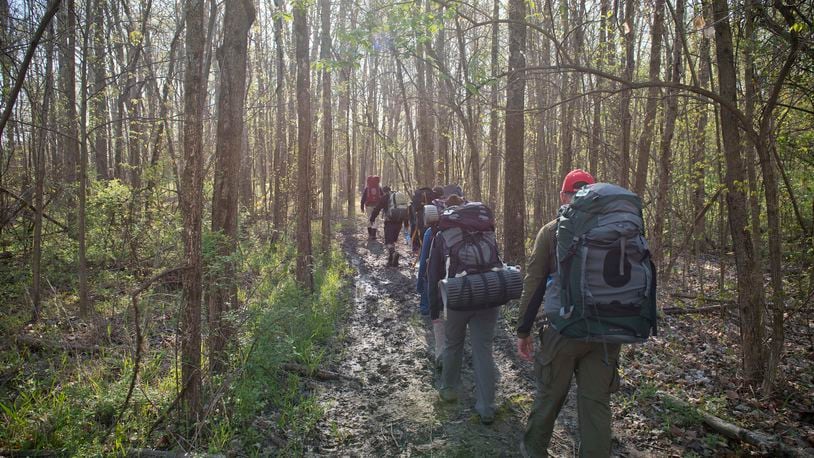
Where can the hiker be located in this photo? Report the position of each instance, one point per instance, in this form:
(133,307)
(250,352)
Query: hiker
(422,286)
(570,341)
(394,204)
(371,196)
(426,240)
(421,197)
(463,233)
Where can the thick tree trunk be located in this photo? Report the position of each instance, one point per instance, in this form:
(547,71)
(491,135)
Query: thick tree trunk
(232,57)
(653,96)
(304,261)
(191,194)
(750,298)
(514,197)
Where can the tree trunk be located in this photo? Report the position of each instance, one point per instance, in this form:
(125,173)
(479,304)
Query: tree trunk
(39,180)
(191,199)
(85,309)
(773,216)
(304,274)
(327,127)
(750,298)
(699,146)
(653,96)
(494,152)
(99,99)
(514,198)
(624,105)
(665,153)
(232,57)
(70,122)
(280,144)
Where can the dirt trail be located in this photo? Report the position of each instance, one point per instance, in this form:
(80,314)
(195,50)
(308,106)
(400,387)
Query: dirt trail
(388,404)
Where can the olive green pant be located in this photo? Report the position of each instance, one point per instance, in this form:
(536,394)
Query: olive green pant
(595,365)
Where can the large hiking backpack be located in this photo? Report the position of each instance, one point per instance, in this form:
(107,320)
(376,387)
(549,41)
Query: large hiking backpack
(397,209)
(421,197)
(607,278)
(374,191)
(468,236)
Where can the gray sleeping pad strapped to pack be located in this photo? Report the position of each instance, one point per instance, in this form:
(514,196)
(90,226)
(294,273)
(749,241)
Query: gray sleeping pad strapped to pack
(607,280)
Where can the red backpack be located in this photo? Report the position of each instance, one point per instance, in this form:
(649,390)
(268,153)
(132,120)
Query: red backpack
(374,191)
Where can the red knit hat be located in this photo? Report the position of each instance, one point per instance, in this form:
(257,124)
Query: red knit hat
(576,177)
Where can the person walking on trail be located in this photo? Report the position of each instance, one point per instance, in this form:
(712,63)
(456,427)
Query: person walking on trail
(421,197)
(426,240)
(394,205)
(560,357)
(422,283)
(482,324)
(371,196)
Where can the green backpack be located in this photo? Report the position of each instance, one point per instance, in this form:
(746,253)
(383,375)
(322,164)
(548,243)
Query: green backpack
(607,277)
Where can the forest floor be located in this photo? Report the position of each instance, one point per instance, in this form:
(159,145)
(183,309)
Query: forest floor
(385,402)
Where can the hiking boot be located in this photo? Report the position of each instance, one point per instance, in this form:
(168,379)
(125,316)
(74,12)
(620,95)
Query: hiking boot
(487,419)
(448,395)
(396,257)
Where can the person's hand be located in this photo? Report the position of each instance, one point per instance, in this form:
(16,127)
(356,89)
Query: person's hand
(525,347)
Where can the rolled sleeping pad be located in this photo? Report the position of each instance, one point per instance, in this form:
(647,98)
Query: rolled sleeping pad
(431,215)
(481,291)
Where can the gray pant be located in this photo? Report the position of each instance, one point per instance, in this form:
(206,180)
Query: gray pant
(482,325)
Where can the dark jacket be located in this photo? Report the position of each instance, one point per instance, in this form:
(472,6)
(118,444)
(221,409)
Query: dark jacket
(436,271)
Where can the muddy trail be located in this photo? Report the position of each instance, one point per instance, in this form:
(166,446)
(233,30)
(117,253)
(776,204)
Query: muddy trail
(386,402)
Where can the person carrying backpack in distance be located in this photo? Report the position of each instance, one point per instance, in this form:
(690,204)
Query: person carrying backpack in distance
(371,196)
(591,269)
(422,281)
(394,204)
(463,248)
(426,240)
(421,197)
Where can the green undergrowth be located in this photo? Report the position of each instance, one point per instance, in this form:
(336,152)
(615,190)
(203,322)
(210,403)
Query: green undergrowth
(66,403)
(268,408)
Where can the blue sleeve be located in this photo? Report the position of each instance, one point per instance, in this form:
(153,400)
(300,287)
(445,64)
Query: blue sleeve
(363,199)
(421,283)
(435,272)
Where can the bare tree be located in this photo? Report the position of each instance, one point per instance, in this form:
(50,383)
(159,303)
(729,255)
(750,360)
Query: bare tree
(327,125)
(191,197)
(750,299)
(514,198)
(304,261)
(232,57)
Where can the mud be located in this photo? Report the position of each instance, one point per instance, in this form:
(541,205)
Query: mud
(388,404)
